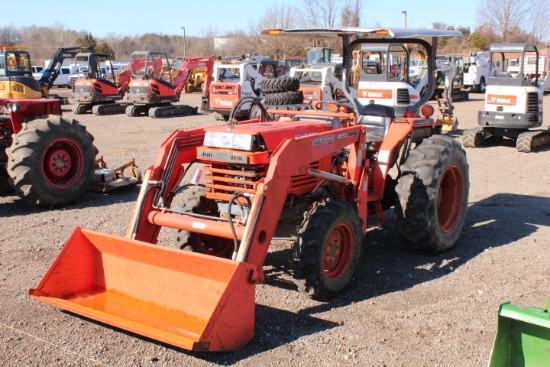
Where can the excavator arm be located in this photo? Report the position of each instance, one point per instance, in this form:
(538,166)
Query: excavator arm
(188,66)
(52,71)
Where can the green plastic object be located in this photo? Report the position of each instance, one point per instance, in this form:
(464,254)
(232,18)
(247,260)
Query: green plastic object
(523,337)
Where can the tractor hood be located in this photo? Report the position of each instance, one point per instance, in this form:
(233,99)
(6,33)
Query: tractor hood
(272,133)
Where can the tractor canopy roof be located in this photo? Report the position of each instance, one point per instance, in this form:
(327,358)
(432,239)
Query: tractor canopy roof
(513,47)
(384,32)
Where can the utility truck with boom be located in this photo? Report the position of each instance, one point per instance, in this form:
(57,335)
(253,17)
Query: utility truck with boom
(513,102)
(226,191)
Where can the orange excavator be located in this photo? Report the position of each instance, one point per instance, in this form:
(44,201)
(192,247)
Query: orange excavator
(93,91)
(93,88)
(149,91)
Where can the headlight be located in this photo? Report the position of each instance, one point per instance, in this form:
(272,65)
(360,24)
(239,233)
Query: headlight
(228,140)
(12,107)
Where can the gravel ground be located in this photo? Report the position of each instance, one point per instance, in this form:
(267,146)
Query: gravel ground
(402,309)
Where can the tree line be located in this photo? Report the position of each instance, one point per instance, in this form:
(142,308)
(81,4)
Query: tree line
(496,21)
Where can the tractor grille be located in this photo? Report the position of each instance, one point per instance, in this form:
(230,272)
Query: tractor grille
(533,102)
(226,180)
(403,96)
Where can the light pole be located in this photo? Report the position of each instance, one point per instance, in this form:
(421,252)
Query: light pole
(404,12)
(184,42)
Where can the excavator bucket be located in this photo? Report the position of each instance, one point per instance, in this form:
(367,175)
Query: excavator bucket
(523,337)
(189,300)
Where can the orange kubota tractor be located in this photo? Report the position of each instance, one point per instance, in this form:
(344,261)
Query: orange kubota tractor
(151,94)
(315,176)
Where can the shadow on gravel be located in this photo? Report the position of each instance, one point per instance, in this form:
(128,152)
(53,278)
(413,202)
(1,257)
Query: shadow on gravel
(387,267)
(12,205)
(278,328)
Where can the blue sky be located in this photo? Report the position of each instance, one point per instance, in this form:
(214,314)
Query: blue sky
(101,17)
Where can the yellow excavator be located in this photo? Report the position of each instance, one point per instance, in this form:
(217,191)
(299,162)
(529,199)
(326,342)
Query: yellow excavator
(16,80)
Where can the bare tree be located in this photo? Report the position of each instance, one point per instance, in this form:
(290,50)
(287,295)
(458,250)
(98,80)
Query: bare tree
(540,21)
(502,16)
(322,13)
(278,16)
(351,14)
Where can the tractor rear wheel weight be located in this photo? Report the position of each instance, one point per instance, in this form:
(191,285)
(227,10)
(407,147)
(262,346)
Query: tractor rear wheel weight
(327,249)
(192,199)
(432,195)
(51,162)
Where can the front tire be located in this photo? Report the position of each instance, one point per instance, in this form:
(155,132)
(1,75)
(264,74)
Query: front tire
(473,138)
(327,249)
(197,202)
(51,162)
(432,195)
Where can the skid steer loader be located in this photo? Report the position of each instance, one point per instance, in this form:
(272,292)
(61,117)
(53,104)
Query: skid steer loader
(226,191)
(513,102)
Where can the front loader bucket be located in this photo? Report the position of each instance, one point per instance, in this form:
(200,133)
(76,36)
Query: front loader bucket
(189,300)
(523,337)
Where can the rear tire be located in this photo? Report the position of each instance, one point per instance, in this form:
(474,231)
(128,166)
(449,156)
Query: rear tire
(327,249)
(51,162)
(432,195)
(524,142)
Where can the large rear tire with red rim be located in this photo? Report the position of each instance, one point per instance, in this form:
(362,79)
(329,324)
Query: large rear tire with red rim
(432,195)
(51,161)
(327,249)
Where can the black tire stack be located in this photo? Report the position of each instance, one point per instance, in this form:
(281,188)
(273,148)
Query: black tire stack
(280,94)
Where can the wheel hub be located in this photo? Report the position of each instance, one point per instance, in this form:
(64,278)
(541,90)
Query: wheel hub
(337,253)
(451,194)
(59,163)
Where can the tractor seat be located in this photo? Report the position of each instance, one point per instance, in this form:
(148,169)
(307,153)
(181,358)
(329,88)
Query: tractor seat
(376,118)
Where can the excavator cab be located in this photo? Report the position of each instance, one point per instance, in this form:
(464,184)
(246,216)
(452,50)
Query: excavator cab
(16,75)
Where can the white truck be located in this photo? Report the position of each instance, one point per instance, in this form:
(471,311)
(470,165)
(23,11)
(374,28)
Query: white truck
(530,65)
(477,70)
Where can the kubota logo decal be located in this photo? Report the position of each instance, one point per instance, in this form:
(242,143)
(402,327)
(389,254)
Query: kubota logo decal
(376,93)
(501,100)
